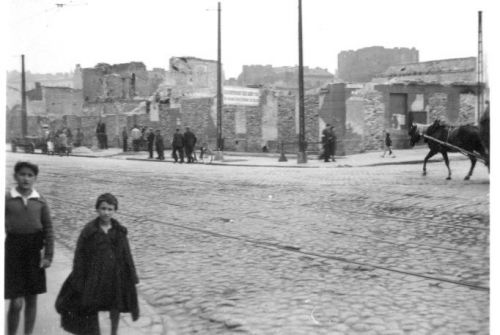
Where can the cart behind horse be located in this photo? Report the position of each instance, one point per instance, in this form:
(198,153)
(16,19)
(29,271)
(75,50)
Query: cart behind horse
(444,138)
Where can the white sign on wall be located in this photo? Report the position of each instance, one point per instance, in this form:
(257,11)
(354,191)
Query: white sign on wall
(241,96)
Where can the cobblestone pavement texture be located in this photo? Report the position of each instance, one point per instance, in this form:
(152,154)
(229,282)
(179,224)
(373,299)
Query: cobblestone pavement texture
(222,250)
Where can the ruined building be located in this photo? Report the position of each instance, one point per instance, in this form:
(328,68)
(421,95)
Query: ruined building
(362,65)
(190,76)
(126,81)
(284,77)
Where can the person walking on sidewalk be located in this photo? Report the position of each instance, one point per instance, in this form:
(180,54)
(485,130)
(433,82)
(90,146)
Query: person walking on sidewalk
(29,229)
(103,276)
(160,148)
(150,137)
(125,139)
(190,142)
(326,144)
(388,145)
(332,143)
(178,146)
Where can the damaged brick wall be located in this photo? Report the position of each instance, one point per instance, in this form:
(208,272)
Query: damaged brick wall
(437,107)
(199,114)
(374,118)
(468,104)
(287,131)
(311,118)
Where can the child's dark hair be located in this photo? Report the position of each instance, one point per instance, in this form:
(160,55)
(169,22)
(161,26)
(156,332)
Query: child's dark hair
(107,198)
(28,165)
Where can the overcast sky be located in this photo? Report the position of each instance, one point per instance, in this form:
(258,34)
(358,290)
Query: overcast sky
(253,31)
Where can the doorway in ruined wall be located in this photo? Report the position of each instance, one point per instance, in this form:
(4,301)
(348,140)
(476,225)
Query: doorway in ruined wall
(398,110)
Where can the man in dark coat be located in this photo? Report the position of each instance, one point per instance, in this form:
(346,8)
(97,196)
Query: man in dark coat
(98,132)
(104,136)
(159,145)
(178,146)
(150,137)
(125,139)
(189,143)
(332,142)
(325,142)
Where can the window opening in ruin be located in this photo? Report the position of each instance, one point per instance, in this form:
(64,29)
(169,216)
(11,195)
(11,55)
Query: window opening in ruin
(419,117)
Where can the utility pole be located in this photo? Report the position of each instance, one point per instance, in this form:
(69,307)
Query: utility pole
(24,112)
(301,156)
(480,70)
(219,155)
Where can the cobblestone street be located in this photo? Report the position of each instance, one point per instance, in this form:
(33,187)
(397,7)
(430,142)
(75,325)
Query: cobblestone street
(261,250)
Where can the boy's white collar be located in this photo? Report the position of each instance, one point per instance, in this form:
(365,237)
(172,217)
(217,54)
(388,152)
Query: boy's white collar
(15,194)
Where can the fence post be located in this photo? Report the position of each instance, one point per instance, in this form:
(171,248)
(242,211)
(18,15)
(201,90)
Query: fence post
(282,156)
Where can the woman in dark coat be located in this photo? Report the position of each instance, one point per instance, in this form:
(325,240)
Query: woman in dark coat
(103,276)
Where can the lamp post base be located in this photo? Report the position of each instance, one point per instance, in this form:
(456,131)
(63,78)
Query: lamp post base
(301,157)
(219,156)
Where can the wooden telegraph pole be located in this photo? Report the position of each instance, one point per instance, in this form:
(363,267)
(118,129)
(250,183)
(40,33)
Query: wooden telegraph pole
(301,156)
(219,155)
(24,112)
(480,70)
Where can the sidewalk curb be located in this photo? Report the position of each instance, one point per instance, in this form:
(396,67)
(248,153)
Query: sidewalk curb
(222,164)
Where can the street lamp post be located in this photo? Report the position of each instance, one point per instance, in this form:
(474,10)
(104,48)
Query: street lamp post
(301,156)
(219,155)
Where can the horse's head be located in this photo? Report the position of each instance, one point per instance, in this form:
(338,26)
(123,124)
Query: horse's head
(414,134)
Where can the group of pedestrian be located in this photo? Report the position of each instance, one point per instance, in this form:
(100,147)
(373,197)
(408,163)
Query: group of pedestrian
(102,137)
(103,277)
(184,143)
(59,142)
(153,138)
(329,140)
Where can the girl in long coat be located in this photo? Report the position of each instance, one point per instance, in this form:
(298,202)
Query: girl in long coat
(103,276)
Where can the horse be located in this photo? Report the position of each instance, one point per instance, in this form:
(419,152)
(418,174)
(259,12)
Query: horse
(465,137)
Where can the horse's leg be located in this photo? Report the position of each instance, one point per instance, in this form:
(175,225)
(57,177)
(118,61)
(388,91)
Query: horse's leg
(447,162)
(473,161)
(429,155)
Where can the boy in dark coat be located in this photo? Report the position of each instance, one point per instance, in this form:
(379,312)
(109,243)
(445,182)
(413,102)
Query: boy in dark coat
(29,229)
(103,276)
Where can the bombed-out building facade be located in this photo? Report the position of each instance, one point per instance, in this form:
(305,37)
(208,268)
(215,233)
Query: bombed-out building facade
(260,108)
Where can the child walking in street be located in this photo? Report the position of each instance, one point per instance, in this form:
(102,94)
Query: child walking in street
(103,277)
(388,145)
(29,229)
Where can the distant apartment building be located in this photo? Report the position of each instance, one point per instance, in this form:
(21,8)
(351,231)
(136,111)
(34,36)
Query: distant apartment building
(45,79)
(362,65)
(284,77)
(53,102)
